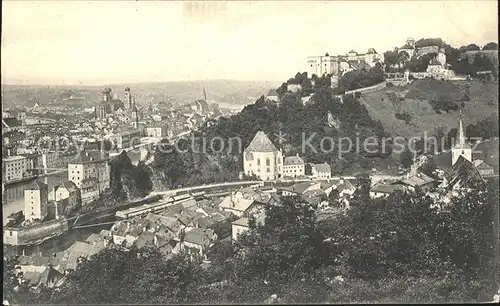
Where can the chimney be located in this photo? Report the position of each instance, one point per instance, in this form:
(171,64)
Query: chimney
(297,154)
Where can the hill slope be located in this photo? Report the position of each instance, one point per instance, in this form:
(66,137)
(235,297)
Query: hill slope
(483,102)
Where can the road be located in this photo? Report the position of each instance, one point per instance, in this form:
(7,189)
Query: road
(375,178)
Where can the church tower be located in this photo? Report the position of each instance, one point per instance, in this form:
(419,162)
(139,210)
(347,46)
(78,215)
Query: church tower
(461,148)
(128,98)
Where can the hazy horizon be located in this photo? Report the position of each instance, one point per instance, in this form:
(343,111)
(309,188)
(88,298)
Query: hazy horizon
(127,42)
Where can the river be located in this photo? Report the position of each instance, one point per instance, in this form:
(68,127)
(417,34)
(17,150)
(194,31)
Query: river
(13,198)
(13,201)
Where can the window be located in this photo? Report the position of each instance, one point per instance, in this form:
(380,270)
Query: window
(258,162)
(268,170)
(463,152)
(268,162)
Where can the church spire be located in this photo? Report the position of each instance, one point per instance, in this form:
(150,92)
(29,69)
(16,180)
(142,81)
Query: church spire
(204,94)
(461,133)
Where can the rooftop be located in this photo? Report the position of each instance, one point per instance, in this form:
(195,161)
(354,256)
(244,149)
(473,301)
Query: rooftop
(293,160)
(199,236)
(386,188)
(261,143)
(13,158)
(323,168)
(36,185)
(236,203)
(272,92)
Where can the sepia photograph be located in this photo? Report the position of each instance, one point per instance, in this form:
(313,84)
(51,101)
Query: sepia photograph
(250,152)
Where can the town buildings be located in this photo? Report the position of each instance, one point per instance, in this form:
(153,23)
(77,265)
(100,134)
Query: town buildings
(90,167)
(156,131)
(13,168)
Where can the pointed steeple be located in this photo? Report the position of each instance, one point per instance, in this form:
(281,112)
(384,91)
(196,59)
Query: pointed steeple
(461,133)
(204,94)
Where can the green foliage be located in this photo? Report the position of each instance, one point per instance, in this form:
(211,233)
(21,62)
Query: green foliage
(486,128)
(491,46)
(427,42)
(406,158)
(129,180)
(360,78)
(421,63)
(391,57)
(403,116)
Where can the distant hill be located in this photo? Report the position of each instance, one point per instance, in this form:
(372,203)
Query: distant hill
(181,92)
(417,104)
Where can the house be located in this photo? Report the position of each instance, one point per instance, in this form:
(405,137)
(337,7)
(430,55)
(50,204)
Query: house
(33,263)
(241,225)
(89,189)
(483,168)
(66,192)
(300,188)
(196,241)
(293,87)
(293,166)
(238,205)
(384,190)
(419,180)
(262,159)
(13,168)
(272,95)
(321,170)
(314,196)
(125,233)
(68,260)
(102,239)
(156,131)
(90,164)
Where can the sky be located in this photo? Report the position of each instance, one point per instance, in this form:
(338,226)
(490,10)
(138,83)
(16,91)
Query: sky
(107,42)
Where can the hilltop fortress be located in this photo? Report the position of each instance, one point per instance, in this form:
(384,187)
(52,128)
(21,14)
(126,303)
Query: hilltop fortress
(337,65)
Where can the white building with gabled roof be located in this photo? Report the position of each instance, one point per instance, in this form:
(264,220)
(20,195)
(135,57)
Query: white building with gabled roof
(262,159)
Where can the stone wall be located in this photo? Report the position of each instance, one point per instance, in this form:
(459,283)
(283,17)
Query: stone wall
(368,89)
(43,230)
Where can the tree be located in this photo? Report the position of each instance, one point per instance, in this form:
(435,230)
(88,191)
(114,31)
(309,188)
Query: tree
(406,158)
(472,47)
(491,46)
(439,134)
(391,57)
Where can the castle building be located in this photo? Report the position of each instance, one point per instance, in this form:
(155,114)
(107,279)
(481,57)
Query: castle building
(339,64)
(461,148)
(261,158)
